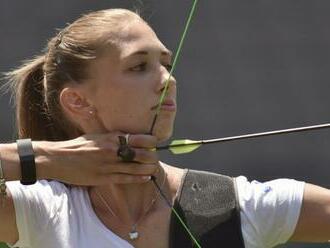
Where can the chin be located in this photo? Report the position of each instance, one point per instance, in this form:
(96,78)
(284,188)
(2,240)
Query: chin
(163,128)
(163,133)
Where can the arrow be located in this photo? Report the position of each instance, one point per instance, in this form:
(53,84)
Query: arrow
(182,146)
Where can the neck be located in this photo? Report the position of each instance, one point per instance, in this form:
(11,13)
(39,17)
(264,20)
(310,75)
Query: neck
(129,202)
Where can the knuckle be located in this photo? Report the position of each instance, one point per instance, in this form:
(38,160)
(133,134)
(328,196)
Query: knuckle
(143,140)
(111,149)
(135,140)
(142,156)
(100,154)
(153,141)
(113,137)
(106,152)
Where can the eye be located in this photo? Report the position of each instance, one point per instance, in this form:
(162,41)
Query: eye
(139,67)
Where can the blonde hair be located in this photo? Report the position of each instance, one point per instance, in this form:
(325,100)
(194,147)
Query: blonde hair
(36,85)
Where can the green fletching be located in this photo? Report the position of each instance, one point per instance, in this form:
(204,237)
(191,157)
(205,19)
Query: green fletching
(184,146)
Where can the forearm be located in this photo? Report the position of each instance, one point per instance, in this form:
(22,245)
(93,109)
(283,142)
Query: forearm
(11,163)
(86,160)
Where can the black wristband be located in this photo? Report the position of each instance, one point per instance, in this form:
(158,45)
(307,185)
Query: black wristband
(28,166)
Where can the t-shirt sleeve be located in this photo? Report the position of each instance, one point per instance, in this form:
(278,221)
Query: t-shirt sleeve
(269,210)
(36,206)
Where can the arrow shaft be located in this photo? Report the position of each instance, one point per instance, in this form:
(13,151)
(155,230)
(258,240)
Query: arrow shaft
(251,136)
(270,133)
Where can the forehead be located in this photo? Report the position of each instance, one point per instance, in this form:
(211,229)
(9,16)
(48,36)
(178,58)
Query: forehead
(135,38)
(137,35)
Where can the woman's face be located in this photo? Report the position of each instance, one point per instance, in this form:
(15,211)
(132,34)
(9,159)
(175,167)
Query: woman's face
(128,82)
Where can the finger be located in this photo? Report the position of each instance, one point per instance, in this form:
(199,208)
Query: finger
(128,168)
(142,141)
(145,156)
(124,179)
(105,139)
(109,155)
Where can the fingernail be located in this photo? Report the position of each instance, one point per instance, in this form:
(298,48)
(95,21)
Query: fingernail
(147,178)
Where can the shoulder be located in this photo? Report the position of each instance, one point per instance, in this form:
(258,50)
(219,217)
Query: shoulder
(266,192)
(278,201)
(42,197)
(175,176)
(42,188)
(42,208)
(44,201)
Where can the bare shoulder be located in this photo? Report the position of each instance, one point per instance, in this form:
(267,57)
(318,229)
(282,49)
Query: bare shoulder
(174,176)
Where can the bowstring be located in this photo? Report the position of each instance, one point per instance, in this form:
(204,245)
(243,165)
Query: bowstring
(162,97)
(177,215)
(176,57)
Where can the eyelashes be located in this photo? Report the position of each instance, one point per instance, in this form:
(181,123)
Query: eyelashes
(143,67)
(139,67)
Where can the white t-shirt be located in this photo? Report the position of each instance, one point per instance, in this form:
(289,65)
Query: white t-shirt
(49,214)
(269,211)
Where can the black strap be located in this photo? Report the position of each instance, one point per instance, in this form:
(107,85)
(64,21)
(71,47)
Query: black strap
(28,166)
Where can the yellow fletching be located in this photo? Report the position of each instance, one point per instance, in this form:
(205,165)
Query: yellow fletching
(183,146)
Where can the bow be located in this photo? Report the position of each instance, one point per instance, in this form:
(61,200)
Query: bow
(161,100)
(186,145)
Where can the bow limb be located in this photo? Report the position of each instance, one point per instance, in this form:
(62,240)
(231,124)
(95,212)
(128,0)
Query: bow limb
(176,57)
(161,100)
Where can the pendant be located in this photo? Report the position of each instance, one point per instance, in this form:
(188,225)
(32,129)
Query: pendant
(133,234)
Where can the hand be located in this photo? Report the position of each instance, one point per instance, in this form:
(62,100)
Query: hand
(92,160)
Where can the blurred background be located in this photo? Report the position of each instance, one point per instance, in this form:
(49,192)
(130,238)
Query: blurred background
(247,66)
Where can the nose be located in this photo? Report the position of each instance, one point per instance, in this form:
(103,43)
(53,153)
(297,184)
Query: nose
(166,79)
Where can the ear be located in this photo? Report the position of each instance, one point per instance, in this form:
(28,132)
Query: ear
(75,104)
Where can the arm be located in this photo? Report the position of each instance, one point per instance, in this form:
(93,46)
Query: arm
(10,164)
(8,227)
(87,160)
(314,221)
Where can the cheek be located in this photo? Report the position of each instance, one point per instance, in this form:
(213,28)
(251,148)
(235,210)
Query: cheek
(124,112)
(125,103)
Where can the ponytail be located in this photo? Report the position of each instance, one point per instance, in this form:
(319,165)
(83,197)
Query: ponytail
(38,112)
(27,85)
(37,84)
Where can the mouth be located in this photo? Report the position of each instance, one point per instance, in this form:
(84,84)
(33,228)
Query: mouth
(167,105)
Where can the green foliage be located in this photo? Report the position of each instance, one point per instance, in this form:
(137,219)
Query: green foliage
(2,245)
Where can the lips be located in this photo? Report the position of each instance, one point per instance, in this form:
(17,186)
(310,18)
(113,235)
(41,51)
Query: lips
(168,104)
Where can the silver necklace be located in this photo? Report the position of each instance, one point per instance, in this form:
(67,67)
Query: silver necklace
(133,234)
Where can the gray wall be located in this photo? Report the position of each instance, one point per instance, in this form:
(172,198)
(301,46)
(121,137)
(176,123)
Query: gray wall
(247,66)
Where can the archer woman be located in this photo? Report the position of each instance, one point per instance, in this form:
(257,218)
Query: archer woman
(88,103)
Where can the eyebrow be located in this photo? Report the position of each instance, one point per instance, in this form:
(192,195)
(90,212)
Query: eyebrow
(143,52)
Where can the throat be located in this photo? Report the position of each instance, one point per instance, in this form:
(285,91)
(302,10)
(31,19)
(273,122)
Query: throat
(129,203)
